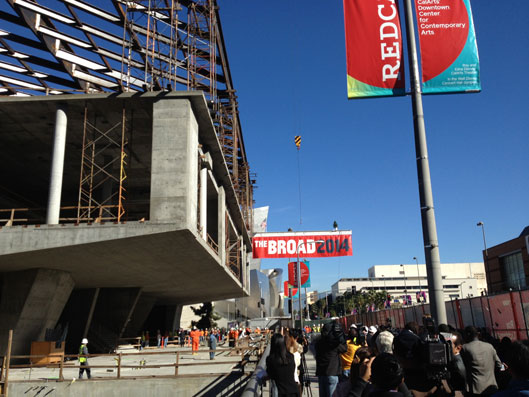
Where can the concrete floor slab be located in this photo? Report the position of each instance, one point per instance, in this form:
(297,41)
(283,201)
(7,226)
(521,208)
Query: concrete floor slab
(171,264)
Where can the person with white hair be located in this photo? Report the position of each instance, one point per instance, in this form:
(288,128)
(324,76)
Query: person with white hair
(384,342)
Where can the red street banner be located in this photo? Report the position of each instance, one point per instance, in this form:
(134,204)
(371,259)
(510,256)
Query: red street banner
(306,244)
(449,54)
(373,43)
(294,291)
(293,271)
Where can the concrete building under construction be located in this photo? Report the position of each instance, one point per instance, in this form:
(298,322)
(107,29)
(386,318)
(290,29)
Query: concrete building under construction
(125,189)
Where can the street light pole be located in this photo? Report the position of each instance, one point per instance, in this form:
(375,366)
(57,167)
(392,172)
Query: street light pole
(307,304)
(299,280)
(405,285)
(299,288)
(326,305)
(291,296)
(344,308)
(484,241)
(418,274)
(429,228)
(485,246)
(461,289)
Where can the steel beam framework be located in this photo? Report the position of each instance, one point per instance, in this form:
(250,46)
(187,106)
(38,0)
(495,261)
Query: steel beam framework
(50,47)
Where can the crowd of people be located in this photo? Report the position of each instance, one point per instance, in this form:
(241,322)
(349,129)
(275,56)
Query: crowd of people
(195,337)
(417,361)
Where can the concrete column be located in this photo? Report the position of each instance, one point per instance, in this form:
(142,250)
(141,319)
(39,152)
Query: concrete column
(139,316)
(174,173)
(91,312)
(241,261)
(178,317)
(131,311)
(31,302)
(244,268)
(76,314)
(113,308)
(222,224)
(204,202)
(172,317)
(57,166)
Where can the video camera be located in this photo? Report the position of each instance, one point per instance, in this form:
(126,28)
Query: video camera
(435,352)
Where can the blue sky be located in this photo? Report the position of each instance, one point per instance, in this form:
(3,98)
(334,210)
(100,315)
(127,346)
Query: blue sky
(357,160)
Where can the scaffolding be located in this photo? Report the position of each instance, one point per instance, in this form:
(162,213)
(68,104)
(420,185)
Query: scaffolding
(125,46)
(102,191)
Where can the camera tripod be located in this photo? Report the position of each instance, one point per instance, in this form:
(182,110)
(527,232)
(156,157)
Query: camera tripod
(305,378)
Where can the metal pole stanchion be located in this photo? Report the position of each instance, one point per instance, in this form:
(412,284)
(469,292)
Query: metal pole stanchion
(299,288)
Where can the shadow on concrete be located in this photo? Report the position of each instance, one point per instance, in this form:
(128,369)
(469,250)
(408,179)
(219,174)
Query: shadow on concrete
(231,385)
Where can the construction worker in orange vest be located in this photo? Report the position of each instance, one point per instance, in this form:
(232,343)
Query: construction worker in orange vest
(231,337)
(236,335)
(195,339)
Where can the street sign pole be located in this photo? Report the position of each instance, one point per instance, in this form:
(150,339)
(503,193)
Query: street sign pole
(299,289)
(291,305)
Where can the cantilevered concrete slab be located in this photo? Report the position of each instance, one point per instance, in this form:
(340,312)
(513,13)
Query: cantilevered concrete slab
(163,147)
(167,257)
(174,265)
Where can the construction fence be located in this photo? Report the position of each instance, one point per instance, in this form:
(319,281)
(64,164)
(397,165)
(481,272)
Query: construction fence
(505,314)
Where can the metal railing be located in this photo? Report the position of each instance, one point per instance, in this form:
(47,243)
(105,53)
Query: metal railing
(254,387)
(37,216)
(242,356)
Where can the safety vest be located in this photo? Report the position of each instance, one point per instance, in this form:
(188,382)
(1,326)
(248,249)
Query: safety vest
(82,359)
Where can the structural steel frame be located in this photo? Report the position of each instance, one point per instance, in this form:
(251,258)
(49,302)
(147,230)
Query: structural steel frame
(124,46)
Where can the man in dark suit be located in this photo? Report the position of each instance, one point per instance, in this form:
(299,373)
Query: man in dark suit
(480,360)
(328,348)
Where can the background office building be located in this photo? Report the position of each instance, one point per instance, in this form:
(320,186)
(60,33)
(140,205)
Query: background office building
(507,264)
(460,280)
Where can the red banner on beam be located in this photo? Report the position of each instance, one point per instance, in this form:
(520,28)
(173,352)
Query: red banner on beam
(294,291)
(293,273)
(373,41)
(306,244)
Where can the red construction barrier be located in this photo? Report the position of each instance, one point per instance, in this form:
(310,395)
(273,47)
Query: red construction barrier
(501,315)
